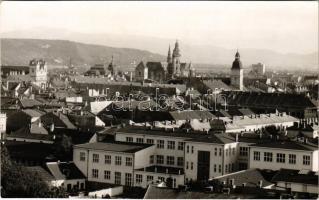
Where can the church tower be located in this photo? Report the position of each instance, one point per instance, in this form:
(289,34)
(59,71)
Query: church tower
(38,72)
(237,73)
(169,55)
(112,68)
(176,59)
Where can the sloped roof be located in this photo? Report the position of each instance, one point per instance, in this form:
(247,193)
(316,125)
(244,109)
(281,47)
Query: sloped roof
(33,112)
(293,176)
(41,172)
(64,170)
(29,103)
(250,177)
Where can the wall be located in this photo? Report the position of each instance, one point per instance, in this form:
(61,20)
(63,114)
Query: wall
(276,166)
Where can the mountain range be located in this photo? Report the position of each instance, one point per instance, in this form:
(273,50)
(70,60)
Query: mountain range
(58,46)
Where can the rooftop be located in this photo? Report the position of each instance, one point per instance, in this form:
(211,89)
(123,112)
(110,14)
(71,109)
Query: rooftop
(287,145)
(294,176)
(115,146)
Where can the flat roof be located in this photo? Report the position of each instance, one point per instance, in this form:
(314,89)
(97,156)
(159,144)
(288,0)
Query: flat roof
(114,146)
(287,145)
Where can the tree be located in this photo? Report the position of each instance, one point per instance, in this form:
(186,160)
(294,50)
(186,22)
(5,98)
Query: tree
(63,148)
(17,181)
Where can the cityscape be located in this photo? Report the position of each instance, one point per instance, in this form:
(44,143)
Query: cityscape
(159,100)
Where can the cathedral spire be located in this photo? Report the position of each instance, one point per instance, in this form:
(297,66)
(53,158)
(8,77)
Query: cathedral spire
(169,56)
(176,51)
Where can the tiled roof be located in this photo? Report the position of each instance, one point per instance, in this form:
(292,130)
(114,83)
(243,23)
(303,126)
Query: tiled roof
(41,172)
(38,133)
(115,146)
(33,112)
(191,114)
(212,84)
(64,171)
(29,103)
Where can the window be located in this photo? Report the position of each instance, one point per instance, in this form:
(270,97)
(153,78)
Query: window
(160,144)
(180,146)
(117,178)
(170,160)
(281,158)
(149,178)
(149,141)
(243,151)
(140,140)
(187,165)
(82,156)
(162,179)
(107,175)
(129,139)
(220,168)
(152,159)
(187,149)
(192,165)
(139,178)
(170,144)
(267,157)
(107,159)
(128,179)
(256,155)
(129,161)
(226,152)
(192,149)
(118,160)
(180,161)
(215,168)
(292,158)
(234,151)
(95,173)
(220,151)
(226,168)
(232,167)
(95,158)
(215,151)
(160,159)
(306,160)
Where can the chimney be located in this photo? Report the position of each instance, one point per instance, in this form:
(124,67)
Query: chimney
(260,183)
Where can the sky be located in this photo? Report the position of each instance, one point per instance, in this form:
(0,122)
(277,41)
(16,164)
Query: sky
(281,26)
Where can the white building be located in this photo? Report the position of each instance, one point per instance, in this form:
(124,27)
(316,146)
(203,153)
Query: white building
(275,155)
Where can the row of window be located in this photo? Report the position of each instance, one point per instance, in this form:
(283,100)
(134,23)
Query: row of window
(128,177)
(170,160)
(108,159)
(117,176)
(160,144)
(281,158)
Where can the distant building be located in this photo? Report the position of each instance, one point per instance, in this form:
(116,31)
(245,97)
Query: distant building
(237,73)
(39,72)
(36,73)
(258,69)
(162,71)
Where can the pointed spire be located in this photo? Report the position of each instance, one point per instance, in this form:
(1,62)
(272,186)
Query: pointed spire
(169,55)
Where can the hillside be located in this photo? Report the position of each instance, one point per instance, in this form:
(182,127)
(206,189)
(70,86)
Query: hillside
(58,53)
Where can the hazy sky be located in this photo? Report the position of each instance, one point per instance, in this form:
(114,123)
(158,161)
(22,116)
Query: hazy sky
(281,26)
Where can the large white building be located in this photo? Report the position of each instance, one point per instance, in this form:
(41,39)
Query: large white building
(143,155)
(275,155)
